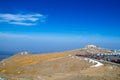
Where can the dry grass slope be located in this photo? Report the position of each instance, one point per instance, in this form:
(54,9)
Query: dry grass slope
(55,66)
(26,60)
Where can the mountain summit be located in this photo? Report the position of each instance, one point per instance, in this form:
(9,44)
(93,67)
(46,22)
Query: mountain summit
(95,49)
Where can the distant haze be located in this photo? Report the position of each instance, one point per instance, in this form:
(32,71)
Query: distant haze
(53,43)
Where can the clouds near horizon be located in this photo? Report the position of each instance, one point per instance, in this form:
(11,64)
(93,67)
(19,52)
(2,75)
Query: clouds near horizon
(22,19)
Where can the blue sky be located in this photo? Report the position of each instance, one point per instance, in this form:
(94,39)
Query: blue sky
(58,25)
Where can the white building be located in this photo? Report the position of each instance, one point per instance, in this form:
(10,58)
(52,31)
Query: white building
(91,46)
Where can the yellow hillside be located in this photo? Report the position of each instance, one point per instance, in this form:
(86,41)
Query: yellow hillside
(57,66)
(29,59)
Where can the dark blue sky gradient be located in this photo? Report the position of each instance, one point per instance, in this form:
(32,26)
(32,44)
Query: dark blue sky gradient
(98,19)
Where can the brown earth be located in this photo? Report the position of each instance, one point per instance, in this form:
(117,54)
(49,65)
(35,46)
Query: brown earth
(55,66)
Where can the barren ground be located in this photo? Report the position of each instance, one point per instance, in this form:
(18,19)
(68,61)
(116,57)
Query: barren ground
(56,66)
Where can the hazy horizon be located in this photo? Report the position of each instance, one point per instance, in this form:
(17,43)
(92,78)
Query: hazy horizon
(52,43)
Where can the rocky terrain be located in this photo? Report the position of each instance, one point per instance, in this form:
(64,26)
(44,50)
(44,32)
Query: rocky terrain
(58,66)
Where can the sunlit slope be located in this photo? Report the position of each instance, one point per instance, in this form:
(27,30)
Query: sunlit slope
(28,59)
(48,68)
(57,66)
(23,59)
